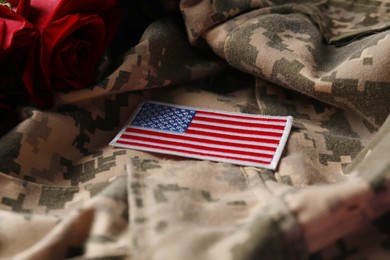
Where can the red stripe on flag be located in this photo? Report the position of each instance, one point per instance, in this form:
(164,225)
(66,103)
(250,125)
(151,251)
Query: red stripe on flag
(186,137)
(198,147)
(237,123)
(252,138)
(199,126)
(252,117)
(180,151)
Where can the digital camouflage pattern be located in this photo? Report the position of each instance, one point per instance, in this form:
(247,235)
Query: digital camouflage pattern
(66,194)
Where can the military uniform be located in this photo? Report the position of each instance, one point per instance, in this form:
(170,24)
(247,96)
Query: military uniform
(65,193)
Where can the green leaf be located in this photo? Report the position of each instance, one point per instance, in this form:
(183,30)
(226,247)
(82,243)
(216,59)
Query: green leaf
(4,2)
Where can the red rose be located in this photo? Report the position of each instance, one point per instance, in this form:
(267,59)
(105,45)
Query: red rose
(17,40)
(74,35)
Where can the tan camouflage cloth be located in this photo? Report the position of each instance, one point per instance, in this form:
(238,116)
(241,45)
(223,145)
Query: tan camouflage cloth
(67,194)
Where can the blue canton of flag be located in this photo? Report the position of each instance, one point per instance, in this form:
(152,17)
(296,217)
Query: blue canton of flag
(163,118)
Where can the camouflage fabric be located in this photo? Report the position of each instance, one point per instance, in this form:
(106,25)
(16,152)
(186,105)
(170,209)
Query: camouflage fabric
(66,194)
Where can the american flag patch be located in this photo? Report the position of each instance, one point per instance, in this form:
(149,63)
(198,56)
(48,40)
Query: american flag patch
(244,139)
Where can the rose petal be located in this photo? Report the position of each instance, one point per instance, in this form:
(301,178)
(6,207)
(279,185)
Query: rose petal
(42,11)
(107,10)
(65,36)
(72,67)
(54,69)
(23,7)
(37,85)
(75,57)
(17,37)
(12,24)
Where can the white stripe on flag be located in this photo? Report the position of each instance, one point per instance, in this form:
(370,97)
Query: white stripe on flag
(235,126)
(233,146)
(243,120)
(185,148)
(200,138)
(202,131)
